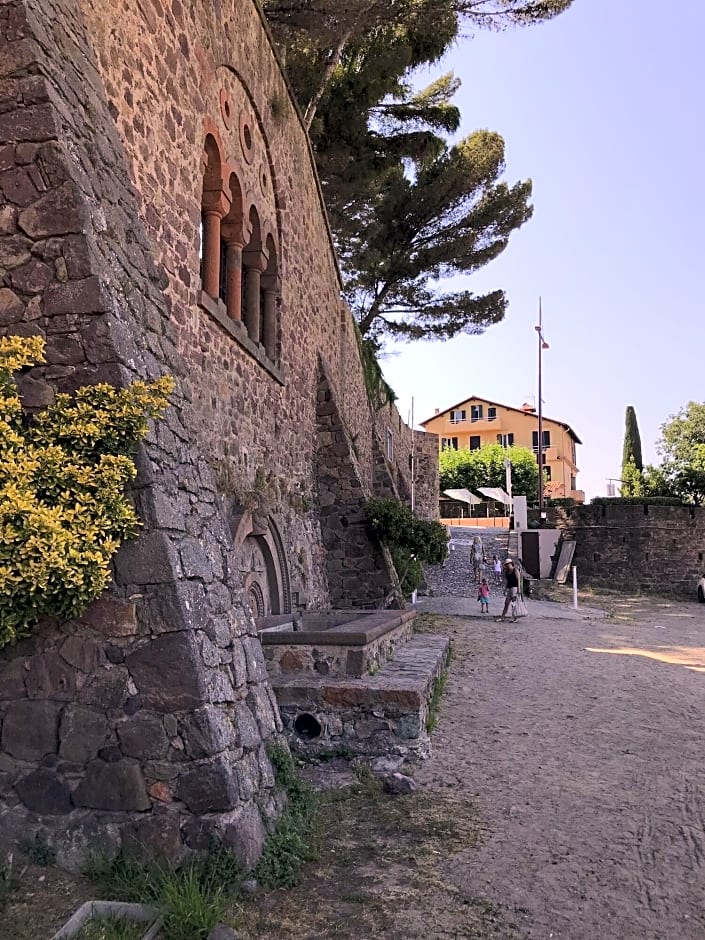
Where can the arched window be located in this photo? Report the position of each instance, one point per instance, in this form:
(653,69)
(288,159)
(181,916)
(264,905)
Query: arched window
(233,238)
(239,260)
(254,261)
(215,203)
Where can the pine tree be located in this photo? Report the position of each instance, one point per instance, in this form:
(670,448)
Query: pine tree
(632,442)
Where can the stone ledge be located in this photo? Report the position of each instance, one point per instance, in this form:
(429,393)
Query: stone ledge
(236,328)
(365,629)
(374,715)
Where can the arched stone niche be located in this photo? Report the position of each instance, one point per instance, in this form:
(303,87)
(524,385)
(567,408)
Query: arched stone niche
(259,557)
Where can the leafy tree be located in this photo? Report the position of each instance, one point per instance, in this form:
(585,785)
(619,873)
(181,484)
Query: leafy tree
(470,469)
(632,479)
(318,35)
(632,441)
(404,207)
(655,482)
(682,445)
(452,217)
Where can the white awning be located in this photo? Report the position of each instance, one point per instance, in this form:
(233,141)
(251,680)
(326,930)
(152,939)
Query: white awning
(463,496)
(496,493)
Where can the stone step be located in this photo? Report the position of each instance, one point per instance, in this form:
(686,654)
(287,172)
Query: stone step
(380,714)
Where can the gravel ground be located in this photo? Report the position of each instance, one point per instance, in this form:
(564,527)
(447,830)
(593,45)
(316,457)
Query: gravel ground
(581,742)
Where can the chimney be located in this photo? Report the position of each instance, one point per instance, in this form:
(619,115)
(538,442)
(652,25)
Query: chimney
(528,409)
(437,410)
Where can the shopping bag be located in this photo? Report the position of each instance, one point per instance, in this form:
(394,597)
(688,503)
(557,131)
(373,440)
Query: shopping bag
(520,608)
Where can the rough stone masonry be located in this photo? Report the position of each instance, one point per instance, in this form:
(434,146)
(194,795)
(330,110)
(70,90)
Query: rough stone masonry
(160,212)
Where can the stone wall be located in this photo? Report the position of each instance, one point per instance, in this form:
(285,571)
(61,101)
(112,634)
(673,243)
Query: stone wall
(149,716)
(658,549)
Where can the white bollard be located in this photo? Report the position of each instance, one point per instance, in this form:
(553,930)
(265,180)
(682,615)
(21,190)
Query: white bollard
(575,587)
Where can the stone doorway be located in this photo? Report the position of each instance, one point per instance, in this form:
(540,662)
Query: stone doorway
(259,556)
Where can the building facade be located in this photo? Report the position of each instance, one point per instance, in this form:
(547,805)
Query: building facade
(472,423)
(161,213)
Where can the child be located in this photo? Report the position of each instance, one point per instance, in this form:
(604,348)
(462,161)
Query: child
(483,596)
(497,568)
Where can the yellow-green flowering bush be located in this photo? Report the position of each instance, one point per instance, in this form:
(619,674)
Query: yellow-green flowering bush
(63,505)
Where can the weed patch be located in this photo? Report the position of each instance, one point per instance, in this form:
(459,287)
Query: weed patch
(291,845)
(438,689)
(38,851)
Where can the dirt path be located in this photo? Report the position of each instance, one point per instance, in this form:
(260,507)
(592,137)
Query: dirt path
(565,798)
(583,744)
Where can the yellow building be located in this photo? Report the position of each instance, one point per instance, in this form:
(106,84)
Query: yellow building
(477,421)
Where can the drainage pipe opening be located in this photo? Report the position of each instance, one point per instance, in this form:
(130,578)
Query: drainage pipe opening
(307,727)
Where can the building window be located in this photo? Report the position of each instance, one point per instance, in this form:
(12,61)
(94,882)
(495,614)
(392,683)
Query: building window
(547,474)
(475,443)
(476,412)
(573,483)
(535,440)
(239,262)
(457,416)
(390,445)
(491,414)
(449,443)
(506,440)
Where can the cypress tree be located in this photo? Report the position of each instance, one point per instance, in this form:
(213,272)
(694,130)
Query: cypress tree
(632,442)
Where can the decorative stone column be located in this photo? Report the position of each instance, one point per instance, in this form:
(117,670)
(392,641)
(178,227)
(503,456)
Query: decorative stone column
(211,252)
(255,261)
(270,292)
(234,280)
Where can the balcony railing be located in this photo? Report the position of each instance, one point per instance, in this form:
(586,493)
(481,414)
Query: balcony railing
(472,420)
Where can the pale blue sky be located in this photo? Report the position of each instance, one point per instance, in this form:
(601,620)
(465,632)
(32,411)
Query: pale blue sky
(603,108)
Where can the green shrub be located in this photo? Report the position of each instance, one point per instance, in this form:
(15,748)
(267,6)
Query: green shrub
(562,502)
(637,501)
(63,475)
(411,541)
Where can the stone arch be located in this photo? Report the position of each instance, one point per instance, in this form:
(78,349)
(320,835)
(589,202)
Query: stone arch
(259,556)
(270,285)
(215,204)
(270,164)
(235,233)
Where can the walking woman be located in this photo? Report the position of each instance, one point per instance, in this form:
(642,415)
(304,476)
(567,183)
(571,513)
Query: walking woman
(477,553)
(511,577)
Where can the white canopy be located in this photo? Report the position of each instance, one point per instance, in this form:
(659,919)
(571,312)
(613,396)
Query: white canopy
(463,496)
(496,493)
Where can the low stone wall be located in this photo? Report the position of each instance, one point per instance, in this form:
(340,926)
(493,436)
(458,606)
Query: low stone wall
(338,657)
(371,716)
(656,549)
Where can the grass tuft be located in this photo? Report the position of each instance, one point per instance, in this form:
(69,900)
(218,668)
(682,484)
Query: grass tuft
(111,928)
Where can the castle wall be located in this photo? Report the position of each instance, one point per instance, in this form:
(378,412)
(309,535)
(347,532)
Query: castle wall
(655,549)
(150,715)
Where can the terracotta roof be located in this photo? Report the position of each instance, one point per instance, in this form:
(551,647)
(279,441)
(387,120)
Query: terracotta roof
(486,401)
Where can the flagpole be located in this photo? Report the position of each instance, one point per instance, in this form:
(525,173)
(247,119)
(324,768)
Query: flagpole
(542,345)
